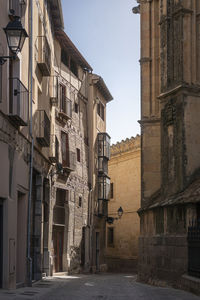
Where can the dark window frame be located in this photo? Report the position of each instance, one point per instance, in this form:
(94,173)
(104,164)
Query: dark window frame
(76,107)
(111,190)
(78,154)
(74,67)
(65,59)
(110,237)
(65,148)
(80,201)
(101,110)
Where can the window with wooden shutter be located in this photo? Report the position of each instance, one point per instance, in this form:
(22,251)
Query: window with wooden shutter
(62,91)
(78,154)
(100,110)
(65,149)
(111,190)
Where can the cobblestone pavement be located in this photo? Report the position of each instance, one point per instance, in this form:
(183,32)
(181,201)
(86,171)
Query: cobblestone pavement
(95,287)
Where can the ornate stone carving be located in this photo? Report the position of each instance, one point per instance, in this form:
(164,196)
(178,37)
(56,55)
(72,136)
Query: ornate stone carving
(169,113)
(171,27)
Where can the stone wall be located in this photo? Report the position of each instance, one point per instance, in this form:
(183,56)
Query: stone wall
(124,171)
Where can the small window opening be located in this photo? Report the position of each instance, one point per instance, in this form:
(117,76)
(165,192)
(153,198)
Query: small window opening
(78,154)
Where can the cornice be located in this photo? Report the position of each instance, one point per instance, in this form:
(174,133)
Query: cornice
(132,144)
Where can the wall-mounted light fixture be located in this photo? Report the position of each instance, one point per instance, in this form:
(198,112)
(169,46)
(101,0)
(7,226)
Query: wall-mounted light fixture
(15,35)
(120,212)
(59,170)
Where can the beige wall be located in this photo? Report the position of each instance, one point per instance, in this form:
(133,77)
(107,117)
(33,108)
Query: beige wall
(124,171)
(14,149)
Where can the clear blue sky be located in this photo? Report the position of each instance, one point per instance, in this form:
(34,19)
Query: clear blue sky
(107,34)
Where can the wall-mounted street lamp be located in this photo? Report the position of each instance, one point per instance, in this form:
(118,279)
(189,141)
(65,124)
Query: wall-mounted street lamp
(15,35)
(120,212)
(59,170)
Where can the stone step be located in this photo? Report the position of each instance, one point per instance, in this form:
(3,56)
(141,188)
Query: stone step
(60,274)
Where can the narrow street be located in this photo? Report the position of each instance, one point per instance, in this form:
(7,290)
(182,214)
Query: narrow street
(86,287)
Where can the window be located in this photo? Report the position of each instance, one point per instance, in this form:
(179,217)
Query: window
(110,237)
(103,145)
(80,201)
(111,190)
(62,95)
(65,149)
(103,187)
(78,154)
(73,68)
(76,107)
(65,58)
(159,220)
(59,208)
(100,110)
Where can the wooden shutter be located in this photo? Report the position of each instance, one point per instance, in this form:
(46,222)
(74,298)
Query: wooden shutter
(65,149)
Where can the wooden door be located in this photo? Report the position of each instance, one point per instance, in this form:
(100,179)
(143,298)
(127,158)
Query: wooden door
(97,250)
(58,236)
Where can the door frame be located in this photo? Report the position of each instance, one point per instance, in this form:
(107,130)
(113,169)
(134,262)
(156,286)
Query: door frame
(97,258)
(58,230)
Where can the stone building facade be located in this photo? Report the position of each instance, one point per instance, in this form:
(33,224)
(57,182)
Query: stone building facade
(122,235)
(69,210)
(169,141)
(99,182)
(48,130)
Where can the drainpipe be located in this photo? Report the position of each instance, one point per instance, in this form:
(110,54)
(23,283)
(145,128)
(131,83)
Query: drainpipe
(29,259)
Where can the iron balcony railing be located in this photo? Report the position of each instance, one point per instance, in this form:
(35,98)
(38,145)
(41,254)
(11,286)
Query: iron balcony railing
(54,151)
(103,187)
(43,132)
(102,208)
(44,56)
(65,108)
(104,145)
(103,165)
(18,106)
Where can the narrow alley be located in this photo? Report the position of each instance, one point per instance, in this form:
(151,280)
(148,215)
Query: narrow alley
(103,286)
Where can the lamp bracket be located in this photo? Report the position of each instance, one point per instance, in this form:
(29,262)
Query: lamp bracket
(3,59)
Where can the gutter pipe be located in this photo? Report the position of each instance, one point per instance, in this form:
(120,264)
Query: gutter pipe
(29,259)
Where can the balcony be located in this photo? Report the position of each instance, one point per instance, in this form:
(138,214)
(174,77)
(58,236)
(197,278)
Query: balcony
(102,208)
(103,187)
(103,145)
(69,164)
(44,56)
(19,100)
(43,128)
(54,151)
(102,165)
(65,108)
